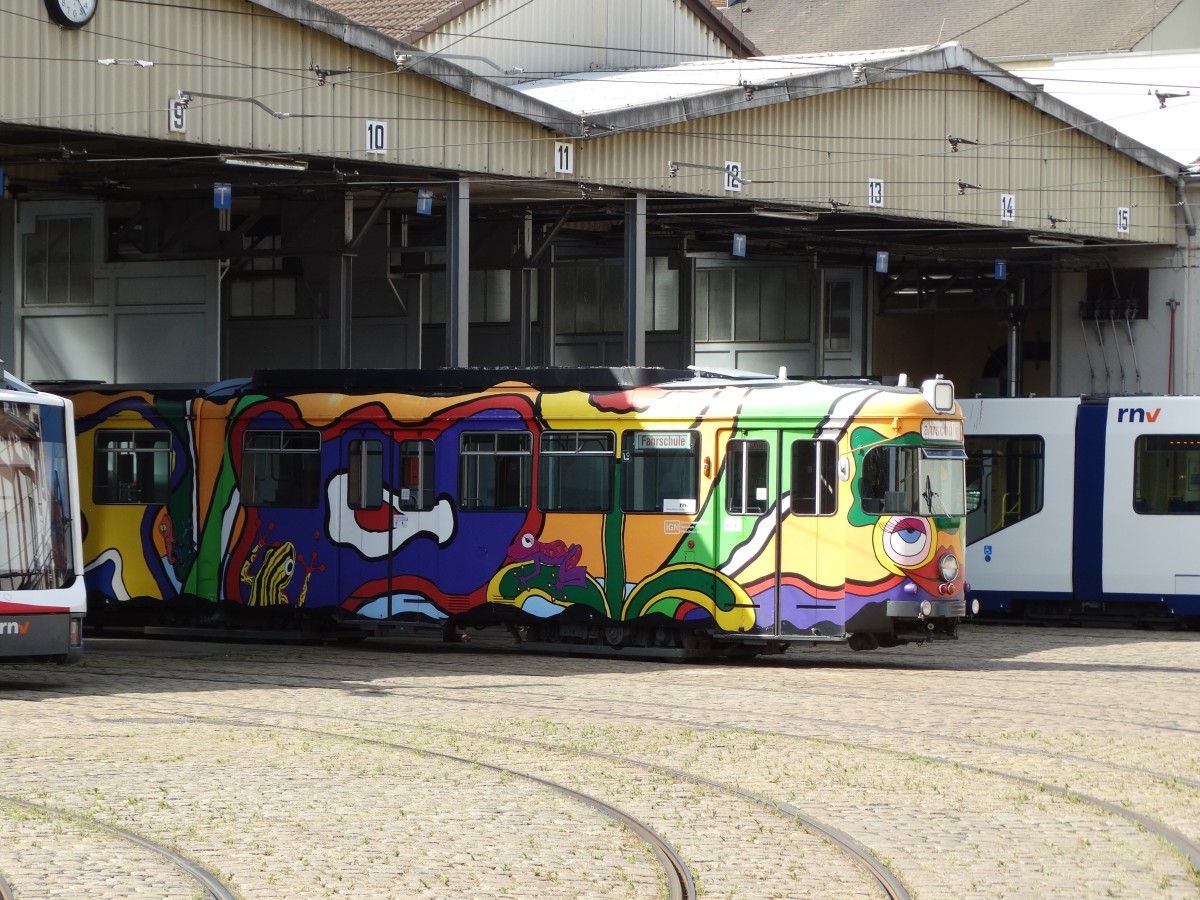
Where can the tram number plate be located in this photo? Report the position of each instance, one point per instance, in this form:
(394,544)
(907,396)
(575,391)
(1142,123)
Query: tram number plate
(672,526)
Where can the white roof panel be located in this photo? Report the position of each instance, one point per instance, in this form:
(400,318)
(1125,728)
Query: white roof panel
(1119,89)
(594,92)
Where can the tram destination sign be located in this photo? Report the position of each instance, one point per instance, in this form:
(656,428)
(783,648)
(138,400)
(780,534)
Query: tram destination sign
(660,441)
(941,430)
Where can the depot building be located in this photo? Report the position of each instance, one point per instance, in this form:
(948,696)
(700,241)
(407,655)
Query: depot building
(195,191)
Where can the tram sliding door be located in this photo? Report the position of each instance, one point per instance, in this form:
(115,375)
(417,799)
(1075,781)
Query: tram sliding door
(812,559)
(778,530)
(362,529)
(386,518)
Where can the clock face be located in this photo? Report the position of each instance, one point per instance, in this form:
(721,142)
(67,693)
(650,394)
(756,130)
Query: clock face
(71,13)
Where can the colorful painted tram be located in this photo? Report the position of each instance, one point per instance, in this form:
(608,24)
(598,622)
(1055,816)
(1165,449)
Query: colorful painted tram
(633,508)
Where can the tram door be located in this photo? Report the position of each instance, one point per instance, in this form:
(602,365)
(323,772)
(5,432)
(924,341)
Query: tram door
(811,556)
(751,510)
(386,501)
(779,499)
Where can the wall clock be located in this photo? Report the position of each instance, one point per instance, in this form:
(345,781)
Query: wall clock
(71,13)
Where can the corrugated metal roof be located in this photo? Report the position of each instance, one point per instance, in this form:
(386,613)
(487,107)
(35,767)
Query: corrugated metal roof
(613,102)
(592,92)
(412,20)
(991,28)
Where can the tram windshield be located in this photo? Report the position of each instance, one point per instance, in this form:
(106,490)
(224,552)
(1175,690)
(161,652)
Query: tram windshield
(918,481)
(36,549)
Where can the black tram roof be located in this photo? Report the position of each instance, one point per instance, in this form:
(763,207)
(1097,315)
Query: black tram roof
(447,380)
(547,378)
(456,380)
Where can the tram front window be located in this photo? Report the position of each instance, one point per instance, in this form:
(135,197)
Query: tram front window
(943,482)
(36,546)
(918,481)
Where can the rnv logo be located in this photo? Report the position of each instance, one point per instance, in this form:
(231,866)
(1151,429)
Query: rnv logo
(1137,414)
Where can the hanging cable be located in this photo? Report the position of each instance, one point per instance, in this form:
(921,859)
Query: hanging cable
(1137,372)
(1112,321)
(1087,352)
(1103,353)
(1172,305)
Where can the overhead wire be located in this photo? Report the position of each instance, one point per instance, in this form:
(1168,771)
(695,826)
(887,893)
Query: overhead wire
(742,137)
(298,72)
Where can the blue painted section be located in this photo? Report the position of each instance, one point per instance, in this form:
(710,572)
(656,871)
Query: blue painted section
(1088,544)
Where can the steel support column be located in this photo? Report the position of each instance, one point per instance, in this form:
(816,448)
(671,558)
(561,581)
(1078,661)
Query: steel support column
(635,280)
(458,271)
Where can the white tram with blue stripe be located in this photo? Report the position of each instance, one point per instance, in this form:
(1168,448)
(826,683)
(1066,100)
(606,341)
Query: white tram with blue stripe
(1084,508)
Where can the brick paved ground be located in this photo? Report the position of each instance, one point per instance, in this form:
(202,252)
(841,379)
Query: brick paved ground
(1006,764)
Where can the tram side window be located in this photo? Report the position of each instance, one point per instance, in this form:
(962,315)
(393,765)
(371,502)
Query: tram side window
(281,468)
(889,481)
(814,478)
(660,471)
(575,471)
(495,470)
(416,475)
(364,488)
(132,466)
(1005,481)
(746,477)
(1166,474)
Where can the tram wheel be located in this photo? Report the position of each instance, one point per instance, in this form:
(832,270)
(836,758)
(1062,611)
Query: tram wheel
(616,636)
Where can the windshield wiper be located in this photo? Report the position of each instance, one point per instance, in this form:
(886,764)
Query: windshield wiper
(928,496)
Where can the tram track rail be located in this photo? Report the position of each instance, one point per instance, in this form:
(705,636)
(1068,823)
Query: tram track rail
(209,883)
(1109,783)
(470,654)
(1187,848)
(681,885)
(679,882)
(1167,778)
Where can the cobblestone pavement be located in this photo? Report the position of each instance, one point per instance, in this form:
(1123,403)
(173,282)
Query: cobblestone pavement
(1012,763)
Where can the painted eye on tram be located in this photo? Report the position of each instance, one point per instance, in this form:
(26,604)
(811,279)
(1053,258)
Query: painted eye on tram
(527,540)
(906,540)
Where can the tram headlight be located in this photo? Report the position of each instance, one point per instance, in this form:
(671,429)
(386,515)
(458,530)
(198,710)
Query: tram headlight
(927,607)
(948,566)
